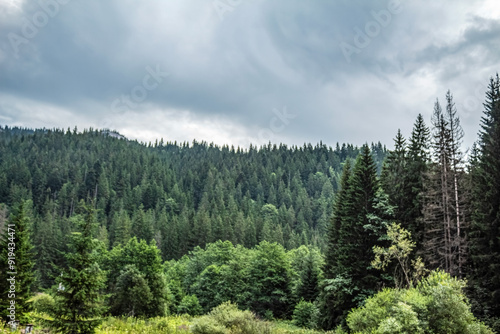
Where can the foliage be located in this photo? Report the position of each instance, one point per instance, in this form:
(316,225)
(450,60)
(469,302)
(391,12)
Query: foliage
(132,294)
(269,276)
(180,194)
(16,246)
(42,303)
(306,314)
(484,235)
(79,300)
(131,325)
(358,224)
(190,305)
(143,272)
(306,269)
(436,305)
(400,249)
(227,319)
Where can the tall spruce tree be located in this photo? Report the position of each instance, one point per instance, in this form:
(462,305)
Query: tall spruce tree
(17,261)
(416,169)
(79,299)
(394,179)
(355,229)
(484,235)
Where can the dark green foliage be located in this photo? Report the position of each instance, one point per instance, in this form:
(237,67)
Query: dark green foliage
(357,226)
(80,300)
(394,179)
(484,235)
(16,246)
(131,295)
(403,177)
(306,314)
(182,195)
(144,272)
(269,278)
(416,168)
(306,267)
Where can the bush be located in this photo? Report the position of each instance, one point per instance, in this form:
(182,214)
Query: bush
(43,303)
(306,315)
(436,305)
(190,305)
(228,319)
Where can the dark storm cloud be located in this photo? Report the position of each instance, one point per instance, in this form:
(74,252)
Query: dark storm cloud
(346,70)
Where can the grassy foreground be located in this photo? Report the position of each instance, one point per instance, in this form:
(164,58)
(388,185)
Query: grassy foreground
(183,325)
(224,319)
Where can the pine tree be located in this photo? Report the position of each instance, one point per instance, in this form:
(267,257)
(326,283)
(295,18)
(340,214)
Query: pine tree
(416,169)
(79,300)
(354,231)
(308,288)
(393,179)
(17,261)
(484,236)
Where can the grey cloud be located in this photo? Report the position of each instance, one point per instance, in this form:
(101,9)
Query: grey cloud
(261,55)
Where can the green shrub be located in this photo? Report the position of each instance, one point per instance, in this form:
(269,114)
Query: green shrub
(190,305)
(436,305)
(306,315)
(42,303)
(228,319)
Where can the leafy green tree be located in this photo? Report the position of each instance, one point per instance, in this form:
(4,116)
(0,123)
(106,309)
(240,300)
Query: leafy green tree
(17,260)
(406,274)
(79,300)
(190,305)
(147,261)
(218,284)
(269,277)
(130,285)
(47,237)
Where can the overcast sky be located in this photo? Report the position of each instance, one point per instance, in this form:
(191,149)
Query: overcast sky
(241,71)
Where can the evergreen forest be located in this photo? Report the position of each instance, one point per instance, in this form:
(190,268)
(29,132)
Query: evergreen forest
(101,234)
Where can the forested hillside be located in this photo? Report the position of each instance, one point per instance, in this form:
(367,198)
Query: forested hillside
(181,195)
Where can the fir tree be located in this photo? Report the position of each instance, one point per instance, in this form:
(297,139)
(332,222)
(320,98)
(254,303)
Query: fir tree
(355,230)
(79,300)
(484,236)
(416,168)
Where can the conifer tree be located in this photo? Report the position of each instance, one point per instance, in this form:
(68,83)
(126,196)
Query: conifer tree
(308,288)
(484,236)
(416,168)
(354,231)
(393,179)
(17,261)
(79,300)
(444,209)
